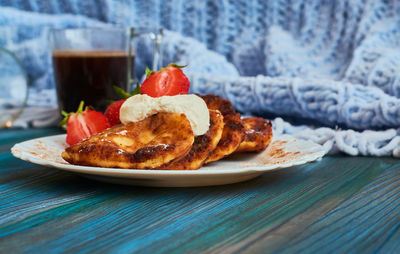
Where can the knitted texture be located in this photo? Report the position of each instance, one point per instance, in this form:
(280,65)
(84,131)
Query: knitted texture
(324,63)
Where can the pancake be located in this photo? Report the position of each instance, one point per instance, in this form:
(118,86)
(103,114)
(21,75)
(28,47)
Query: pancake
(258,135)
(202,147)
(146,144)
(233,132)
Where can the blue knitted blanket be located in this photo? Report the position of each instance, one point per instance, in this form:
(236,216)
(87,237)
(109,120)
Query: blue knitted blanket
(328,71)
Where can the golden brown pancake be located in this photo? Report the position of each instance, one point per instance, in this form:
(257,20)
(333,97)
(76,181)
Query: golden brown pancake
(215,102)
(232,136)
(146,144)
(202,147)
(233,133)
(258,135)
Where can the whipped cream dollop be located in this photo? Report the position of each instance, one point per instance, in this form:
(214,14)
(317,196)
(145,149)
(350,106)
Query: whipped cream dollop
(138,107)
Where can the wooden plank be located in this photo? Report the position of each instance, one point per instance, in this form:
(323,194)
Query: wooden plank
(340,204)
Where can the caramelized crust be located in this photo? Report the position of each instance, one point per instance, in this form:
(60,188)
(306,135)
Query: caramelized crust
(232,136)
(233,133)
(258,135)
(146,144)
(203,145)
(215,102)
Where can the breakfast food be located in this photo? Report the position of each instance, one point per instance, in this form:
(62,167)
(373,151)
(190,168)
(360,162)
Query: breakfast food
(166,140)
(146,144)
(165,128)
(139,107)
(233,133)
(168,81)
(202,146)
(112,111)
(257,135)
(83,123)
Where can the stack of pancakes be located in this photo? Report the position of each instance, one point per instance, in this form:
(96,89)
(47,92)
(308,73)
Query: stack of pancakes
(166,140)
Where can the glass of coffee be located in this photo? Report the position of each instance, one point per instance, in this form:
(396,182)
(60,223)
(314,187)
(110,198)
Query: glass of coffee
(88,62)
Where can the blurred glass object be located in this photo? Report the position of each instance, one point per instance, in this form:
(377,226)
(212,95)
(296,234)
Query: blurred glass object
(13,88)
(89,62)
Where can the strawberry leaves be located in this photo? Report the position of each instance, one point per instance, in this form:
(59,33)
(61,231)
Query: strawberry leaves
(124,94)
(150,72)
(66,115)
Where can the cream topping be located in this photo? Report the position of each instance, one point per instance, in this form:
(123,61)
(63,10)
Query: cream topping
(141,106)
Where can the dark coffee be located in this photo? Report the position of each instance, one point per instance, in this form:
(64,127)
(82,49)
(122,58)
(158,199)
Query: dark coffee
(89,76)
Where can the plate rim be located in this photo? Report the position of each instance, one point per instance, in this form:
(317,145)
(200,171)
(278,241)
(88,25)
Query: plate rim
(151,172)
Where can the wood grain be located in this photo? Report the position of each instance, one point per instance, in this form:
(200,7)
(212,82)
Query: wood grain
(339,204)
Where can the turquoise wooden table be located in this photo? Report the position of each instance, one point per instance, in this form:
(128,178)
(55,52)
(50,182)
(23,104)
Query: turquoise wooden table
(337,205)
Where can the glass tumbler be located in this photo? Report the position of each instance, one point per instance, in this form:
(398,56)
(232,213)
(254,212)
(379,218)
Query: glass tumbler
(13,88)
(88,62)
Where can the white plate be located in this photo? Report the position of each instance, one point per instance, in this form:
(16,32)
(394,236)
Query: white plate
(284,151)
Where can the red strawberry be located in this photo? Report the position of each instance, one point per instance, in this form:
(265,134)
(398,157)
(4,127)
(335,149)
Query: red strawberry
(83,124)
(168,81)
(112,112)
